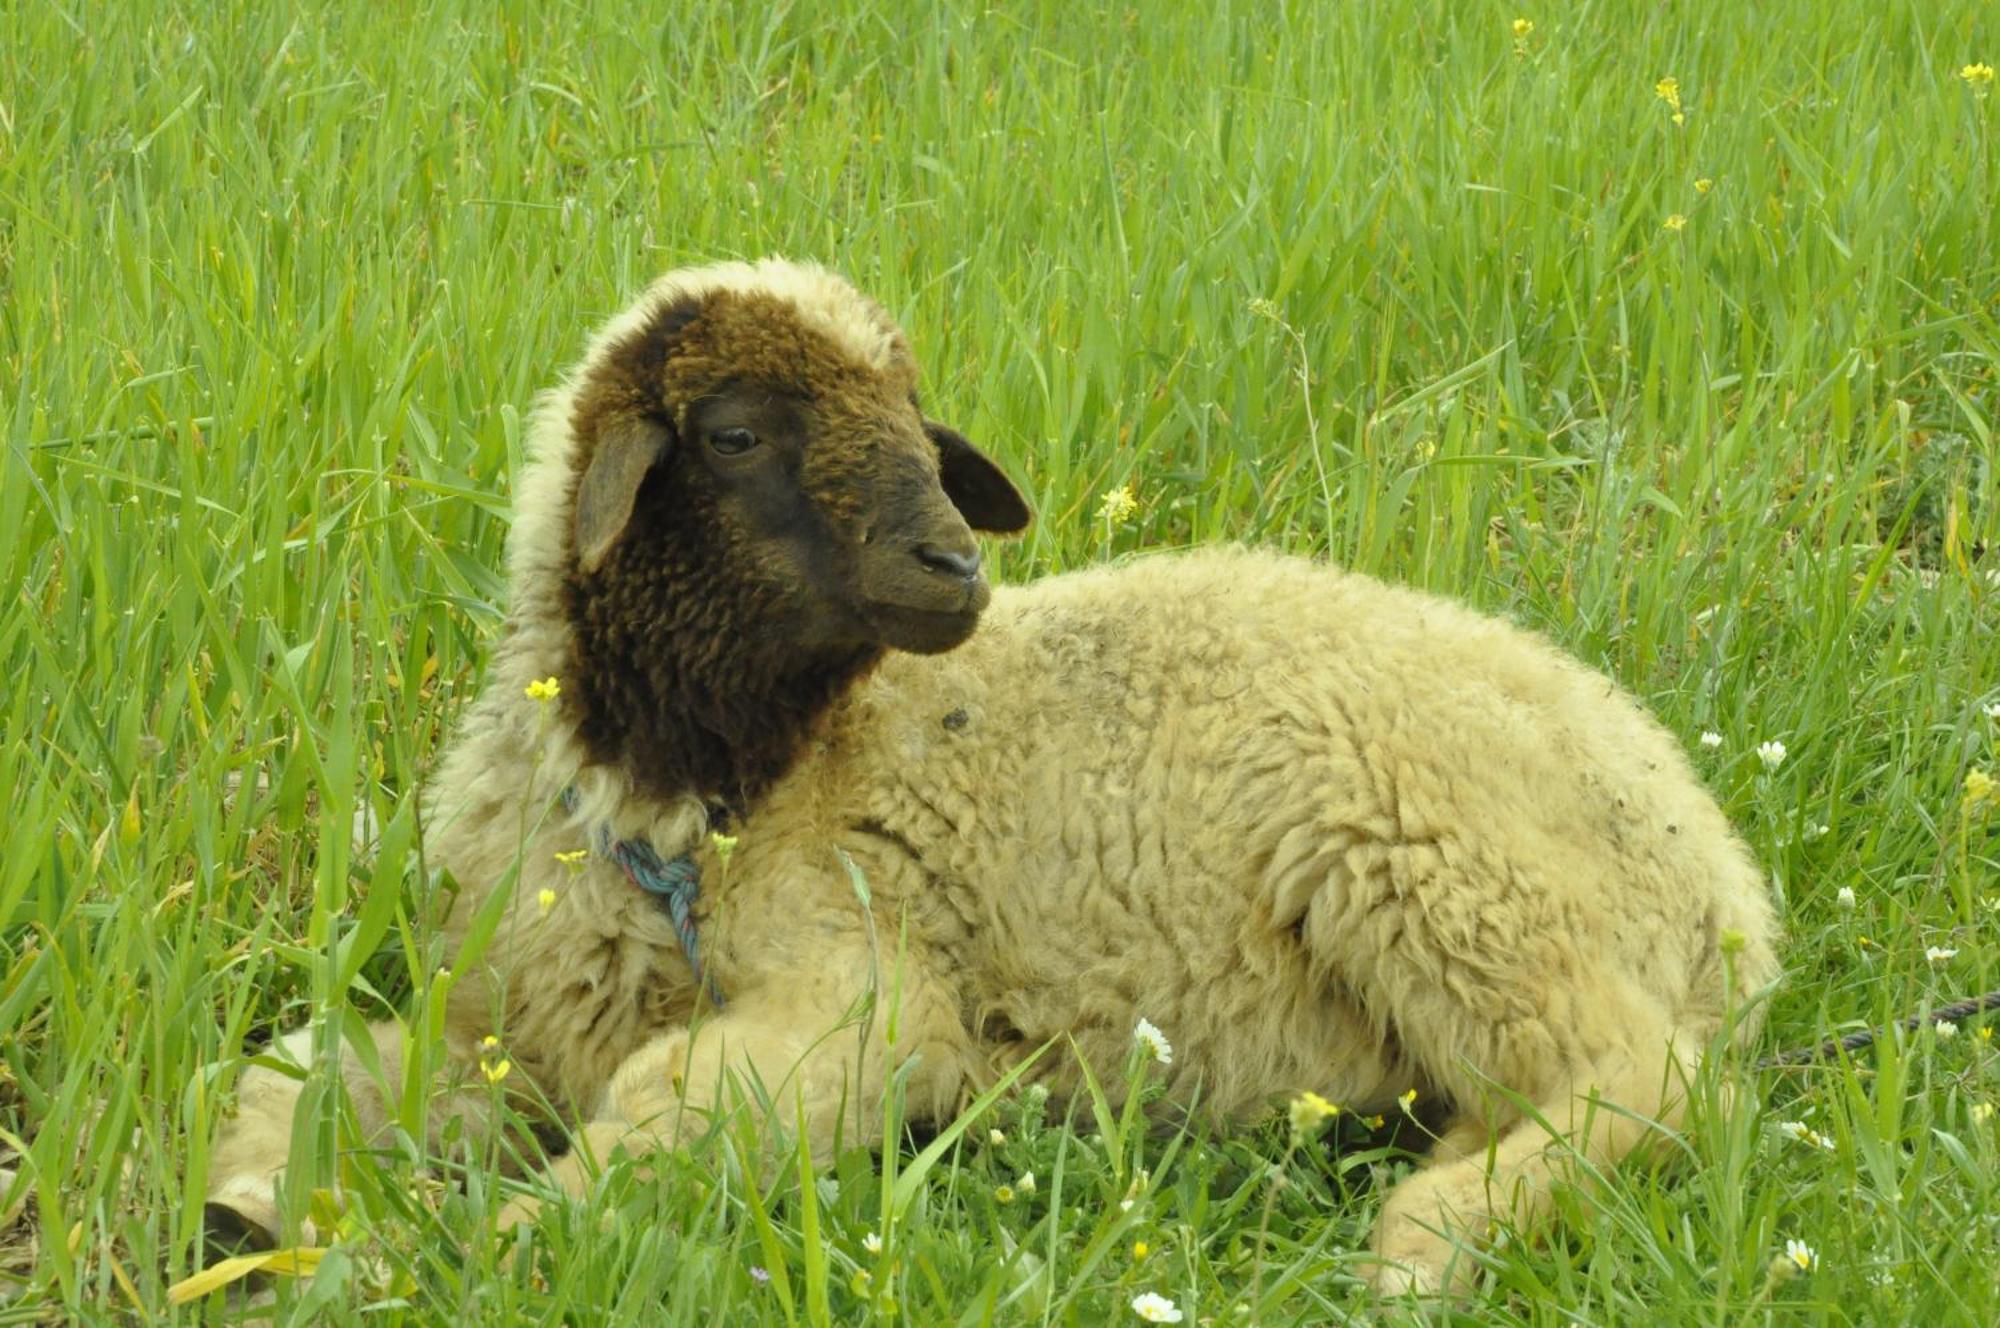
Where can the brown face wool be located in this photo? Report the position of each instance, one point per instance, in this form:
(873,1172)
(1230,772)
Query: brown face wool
(758,515)
(1326,839)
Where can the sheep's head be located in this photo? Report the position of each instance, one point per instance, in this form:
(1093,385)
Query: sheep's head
(772,438)
(754,480)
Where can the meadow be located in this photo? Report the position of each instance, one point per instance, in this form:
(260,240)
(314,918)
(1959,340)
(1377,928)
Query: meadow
(1672,331)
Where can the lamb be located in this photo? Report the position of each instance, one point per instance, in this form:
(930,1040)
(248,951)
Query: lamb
(1330,834)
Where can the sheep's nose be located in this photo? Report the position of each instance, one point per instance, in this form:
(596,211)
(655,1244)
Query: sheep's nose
(961,563)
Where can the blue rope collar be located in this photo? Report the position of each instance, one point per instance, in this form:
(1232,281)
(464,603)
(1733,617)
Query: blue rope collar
(675,883)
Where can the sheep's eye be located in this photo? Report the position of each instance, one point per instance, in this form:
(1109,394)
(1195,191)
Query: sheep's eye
(732,442)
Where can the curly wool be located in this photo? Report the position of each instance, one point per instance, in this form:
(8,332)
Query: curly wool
(1329,834)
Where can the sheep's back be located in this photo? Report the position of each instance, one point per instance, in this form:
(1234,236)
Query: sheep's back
(1225,789)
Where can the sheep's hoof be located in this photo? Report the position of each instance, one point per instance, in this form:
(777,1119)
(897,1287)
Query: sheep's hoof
(241,1217)
(227,1232)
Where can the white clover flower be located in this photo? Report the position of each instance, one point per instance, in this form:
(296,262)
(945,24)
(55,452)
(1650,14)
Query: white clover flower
(1803,1256)
(1771,753)
(1937,954)
(1151,1038)
(1711,739)
(1155,1308)
(872,1243)
(1805,1134)
(1946,1030)
(1846,897)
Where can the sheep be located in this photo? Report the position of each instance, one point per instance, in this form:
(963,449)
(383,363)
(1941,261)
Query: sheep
(1328,833)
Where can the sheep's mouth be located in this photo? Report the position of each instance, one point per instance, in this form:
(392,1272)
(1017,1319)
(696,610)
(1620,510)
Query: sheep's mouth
(925,630)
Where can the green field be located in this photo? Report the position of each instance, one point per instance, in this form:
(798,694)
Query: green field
(1706,395)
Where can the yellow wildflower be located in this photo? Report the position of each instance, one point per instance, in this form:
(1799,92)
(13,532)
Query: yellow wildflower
(1981,789)
(1308,1112)
(1408,1100)
(724,845)
(1978,77)
(1118,507)
(545,690)
(573,858)
(1675,222)
(495,1069)
(1668,90)
(1982,1112)
(1523,29)
(1703,185)
(1140,1249)
(545,900)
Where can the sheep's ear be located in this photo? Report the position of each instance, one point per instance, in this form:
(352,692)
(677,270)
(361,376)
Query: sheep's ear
(627,447)
(985,497)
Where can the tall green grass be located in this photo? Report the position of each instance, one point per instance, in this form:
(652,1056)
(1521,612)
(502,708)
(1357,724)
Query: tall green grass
(1709,402)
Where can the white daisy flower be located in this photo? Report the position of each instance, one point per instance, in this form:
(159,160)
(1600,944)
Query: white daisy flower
(872,1243)
(1803,1256)
(1151,1038)
(1771,753)
(1937,954)
(1710,739)
(1155,1308)
(1946,1030)
(1805,1134)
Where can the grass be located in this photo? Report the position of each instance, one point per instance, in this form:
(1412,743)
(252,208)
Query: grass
(1377,282)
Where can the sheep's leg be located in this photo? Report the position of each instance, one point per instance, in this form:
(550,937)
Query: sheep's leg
(821,1065)
(1480,1176)
(253,1146)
